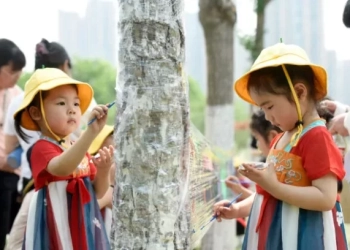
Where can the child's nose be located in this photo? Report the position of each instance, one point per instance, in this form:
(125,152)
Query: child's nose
(71,111)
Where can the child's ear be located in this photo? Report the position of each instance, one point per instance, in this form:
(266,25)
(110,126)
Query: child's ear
(34,113)
(272,135)
(301,91)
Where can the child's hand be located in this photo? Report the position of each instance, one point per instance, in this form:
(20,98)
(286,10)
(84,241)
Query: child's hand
(105,161)
(336,125)
(265,178)
(234,184)
(100,113)
(112,175)
(109,197)
(223,212)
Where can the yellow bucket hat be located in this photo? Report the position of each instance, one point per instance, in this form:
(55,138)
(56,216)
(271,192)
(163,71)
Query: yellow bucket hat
(281,54)
(97,143)
(278,55)
(47,79)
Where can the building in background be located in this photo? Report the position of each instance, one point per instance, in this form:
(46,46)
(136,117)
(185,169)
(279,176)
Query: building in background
(297,22)
(92,36)
(301,22)
(196,65)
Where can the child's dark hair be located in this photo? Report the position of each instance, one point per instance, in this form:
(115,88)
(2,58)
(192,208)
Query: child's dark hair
(10,53)
(273,80)
(323,112)
(18,117)
(261,125)
(50,55)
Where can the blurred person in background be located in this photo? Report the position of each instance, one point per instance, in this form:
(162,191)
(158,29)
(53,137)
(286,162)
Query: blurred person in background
(263,131)
(12,61)
(346,14)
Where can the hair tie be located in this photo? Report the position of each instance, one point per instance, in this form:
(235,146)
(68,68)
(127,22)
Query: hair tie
(299,123)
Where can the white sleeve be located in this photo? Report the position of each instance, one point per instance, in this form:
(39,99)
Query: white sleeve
(9,123)
(347,122)
(340,108)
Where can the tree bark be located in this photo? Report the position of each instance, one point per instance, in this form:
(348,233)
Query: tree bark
(218,18)
(152,129)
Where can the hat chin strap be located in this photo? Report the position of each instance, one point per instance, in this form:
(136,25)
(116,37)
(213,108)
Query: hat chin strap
(296,136)
(60,140)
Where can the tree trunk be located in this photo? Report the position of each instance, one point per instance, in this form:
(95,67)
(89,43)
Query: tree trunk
(152,129)
(260,27)
(218,18)
(259,36)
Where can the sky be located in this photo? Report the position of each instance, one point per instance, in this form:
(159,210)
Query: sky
(26,22)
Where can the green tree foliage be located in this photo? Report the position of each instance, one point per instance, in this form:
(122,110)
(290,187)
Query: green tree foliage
(101,76)
(197,104)
(241,112)
(24,78)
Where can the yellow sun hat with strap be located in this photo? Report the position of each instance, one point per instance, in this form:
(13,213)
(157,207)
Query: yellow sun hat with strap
(44,80)
(100,138)
(282,54)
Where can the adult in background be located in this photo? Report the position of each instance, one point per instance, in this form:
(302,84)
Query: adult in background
(12,61)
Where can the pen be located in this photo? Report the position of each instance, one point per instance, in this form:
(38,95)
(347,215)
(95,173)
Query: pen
(215,216)
(108,106)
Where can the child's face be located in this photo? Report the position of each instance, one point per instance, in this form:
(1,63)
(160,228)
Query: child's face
(62,111)
(277,108)
(262,143)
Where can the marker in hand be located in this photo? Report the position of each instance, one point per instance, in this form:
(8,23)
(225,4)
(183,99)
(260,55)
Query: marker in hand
(215,216)
(242,182)
(108,106)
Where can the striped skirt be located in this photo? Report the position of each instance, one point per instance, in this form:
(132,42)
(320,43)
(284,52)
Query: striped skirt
(286,227)
(49,217)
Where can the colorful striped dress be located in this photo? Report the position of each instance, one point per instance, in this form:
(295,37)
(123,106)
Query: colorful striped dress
(274,224)
(64,213)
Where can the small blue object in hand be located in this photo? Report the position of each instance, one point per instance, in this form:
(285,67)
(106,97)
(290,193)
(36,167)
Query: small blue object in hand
(108,106)
(14,158)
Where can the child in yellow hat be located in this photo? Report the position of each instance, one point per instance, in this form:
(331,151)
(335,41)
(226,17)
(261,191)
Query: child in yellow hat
(104,139)
(64,212)
(295,204)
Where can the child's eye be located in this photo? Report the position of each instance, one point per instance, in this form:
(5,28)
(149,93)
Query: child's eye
(77,104)
(270,107)
(61,103)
